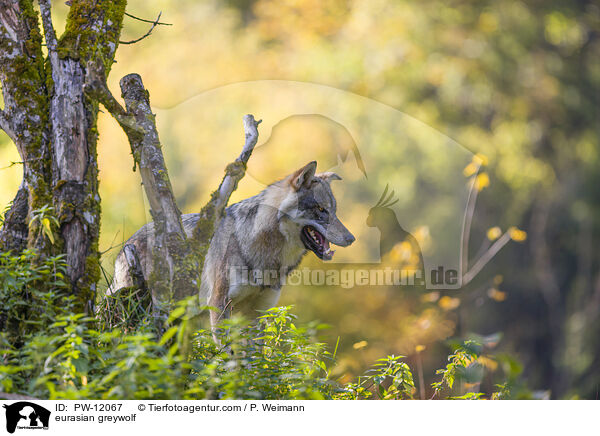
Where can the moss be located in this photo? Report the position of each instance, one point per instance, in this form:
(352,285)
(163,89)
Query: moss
(24,78)
(235,169)
(81,42)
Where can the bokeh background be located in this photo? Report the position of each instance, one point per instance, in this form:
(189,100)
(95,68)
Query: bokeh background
(401,93)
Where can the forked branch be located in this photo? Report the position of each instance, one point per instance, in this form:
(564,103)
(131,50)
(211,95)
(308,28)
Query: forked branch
(235,171)
(154,24)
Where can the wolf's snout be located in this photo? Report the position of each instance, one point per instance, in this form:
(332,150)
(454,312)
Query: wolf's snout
(338,234)
(346,239)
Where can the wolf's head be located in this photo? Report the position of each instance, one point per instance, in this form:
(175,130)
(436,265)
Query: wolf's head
(310,208)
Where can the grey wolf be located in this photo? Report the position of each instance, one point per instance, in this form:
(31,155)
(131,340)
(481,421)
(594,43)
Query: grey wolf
(271,231)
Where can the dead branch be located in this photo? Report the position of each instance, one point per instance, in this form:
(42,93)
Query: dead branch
(146,21)
(175,271)
(96,88)
(154,24)
(176,261)
(147,151)
(486,257)
(236,170)
(49,33)
(212,211)
(466,226)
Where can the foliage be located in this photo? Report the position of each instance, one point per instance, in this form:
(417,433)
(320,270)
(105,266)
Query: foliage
(48,223)
(29,293)
(64,355)
(517,81)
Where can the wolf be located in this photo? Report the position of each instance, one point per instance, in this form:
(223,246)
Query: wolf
(257,243)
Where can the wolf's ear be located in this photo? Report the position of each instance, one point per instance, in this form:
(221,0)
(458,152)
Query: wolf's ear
(328,176)
(304,175)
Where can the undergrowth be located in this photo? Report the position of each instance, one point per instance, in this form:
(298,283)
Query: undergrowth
(49,352)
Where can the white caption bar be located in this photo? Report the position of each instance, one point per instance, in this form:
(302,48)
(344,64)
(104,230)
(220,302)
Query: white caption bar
(66,418)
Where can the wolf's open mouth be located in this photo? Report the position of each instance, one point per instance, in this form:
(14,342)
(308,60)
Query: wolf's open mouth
(313,240)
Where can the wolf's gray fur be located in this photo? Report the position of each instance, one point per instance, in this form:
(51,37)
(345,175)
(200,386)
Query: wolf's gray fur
(271,232)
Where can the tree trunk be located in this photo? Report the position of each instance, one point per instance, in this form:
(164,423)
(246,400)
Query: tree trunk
(92,32)
(25,120)
(53,125)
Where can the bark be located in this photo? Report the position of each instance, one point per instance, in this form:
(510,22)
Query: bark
(53,125)
(175,272)
(175,267)
(24,118)
(15,230)
(92,32)
(236,170)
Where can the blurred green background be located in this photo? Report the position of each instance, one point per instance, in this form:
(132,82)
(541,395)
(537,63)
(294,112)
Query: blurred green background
(416,88)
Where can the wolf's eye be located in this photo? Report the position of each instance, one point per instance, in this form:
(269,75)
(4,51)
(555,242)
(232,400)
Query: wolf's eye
(321,209)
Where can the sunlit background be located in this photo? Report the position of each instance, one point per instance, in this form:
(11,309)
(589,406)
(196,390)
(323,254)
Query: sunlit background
(401,93)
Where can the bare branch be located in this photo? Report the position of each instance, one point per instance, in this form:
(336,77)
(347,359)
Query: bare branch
(146,21)
(175,267)
(154,24)
(49,33)
(236,172)
(6,125)
(213,210)
(483,260)
(148,154)
(96,88)
(466,227)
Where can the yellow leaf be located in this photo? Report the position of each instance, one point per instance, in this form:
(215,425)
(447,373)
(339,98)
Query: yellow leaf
(481,159)
(48,229)
(488,363)
(496,295)
(420,348)
(517,235)
(494,233)
(46,223)
(470,169)
(482,181)
(498,279)
(359,345)
(430,297)
(448,303)
(83,380)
